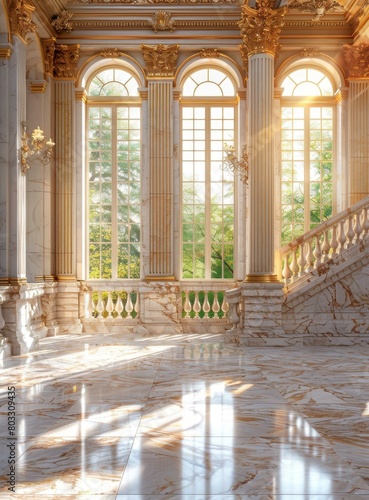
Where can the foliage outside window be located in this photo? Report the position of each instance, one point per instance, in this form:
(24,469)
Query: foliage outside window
(307,152)
(114,178)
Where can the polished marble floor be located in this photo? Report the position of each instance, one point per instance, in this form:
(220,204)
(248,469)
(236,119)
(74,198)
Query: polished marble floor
(185,418)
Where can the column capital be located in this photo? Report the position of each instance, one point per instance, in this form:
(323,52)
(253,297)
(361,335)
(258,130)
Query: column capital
(20,17)
(48,45)
(261,27)
(65,61)
(160,60)
(357,60)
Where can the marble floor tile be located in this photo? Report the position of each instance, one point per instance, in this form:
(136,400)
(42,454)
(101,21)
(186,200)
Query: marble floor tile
(186,417)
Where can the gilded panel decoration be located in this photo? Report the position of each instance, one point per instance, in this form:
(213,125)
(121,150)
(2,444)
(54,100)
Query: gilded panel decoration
(65,60)
(160,59)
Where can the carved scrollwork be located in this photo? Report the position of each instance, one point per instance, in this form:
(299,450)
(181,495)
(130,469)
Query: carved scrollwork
(20,16)
(160,59)
(261,27)
(111,53)
(211,53)
(62,22)
(357,60)
(310,52)
(162,21)
(65,60)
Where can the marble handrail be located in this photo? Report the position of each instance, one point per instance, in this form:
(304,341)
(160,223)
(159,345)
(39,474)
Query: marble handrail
(325,242)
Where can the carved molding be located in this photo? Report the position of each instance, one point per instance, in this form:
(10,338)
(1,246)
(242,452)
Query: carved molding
(162,21)
(317,7)
(38,87)
(62,22)
(211,53)
(20,17)
(141,25)
(65,60)
(261,27)
(160,60)
(5,53)
(111,53)
(310,52)
(48,45)
(151,2)
(357,60)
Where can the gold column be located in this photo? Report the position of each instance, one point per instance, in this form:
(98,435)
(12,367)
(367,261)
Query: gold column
(65,59)
(260,29)
(357,62)
(160,65)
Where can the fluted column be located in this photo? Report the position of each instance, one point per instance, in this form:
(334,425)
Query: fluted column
(357,62)
(160,160)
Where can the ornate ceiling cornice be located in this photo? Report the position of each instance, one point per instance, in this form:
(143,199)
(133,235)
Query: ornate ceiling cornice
(156,2)
(148,24)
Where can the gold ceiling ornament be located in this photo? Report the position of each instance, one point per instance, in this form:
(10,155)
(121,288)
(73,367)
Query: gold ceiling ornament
(310,52)
(62,22)
(113,53)
(162,21)
(65,60)
(48,44)
(357,60)
(261,27)
(160,60)
(317,7)
(20,16)
(210,53)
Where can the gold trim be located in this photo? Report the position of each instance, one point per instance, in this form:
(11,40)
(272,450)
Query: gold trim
(5,53)
(159,278)
(81,95)
(66,277)
(341,95)
(261,278)
(17,281)
(38,88)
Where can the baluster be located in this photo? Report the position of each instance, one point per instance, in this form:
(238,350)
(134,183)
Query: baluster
(129,305)
(325,247)
(206,305)
(100,307)
(109,305)
(119,306)
(358,229)
(342,237)
(187,304)
(286,272)
(136,306)
(350,232)
(234,316)
(309,258)
(225,305)
(334,242)
(294,265)
(302,260)
(90,305)
(216,306)
(317,252)
(365,221)
(197,305)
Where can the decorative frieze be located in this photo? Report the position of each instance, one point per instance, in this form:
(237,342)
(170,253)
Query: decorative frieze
(150,2)
(20,17)
(162,21)
(111,53)
(261,27)
(135,24)
(65,60)
(160,60)
(357,60)
(62,22)
(210,53)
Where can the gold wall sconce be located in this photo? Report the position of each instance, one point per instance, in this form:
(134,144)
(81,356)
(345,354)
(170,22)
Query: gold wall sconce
(34,147)
(233,164)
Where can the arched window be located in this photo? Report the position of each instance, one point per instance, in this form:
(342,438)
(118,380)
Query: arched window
(307,151)
(113,125)
(208,121)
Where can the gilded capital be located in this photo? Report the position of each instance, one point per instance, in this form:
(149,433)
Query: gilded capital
(160,60)
(20,17)
(48,45)
(261,27)
(357,60)
(65,60)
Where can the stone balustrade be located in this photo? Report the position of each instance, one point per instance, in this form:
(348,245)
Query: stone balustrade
(326,241)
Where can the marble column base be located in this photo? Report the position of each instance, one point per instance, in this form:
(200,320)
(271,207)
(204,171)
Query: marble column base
(261,306)
(67,306)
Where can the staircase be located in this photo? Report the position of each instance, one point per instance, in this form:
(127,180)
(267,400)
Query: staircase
(326,275)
